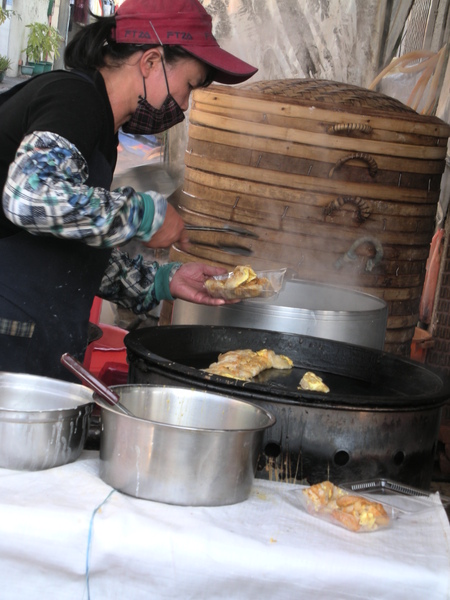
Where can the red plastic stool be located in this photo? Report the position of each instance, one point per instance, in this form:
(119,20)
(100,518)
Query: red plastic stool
(106,358)
(96,309)
(113,373)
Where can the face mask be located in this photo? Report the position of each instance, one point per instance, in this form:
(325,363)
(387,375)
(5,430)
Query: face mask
(149,120)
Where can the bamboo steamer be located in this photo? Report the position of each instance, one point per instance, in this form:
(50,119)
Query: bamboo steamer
(340,183)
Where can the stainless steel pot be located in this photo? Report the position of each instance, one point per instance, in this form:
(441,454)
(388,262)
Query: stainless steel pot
(187,447)
(302,307)
(43,422)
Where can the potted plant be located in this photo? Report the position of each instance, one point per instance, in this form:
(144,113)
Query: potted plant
(26,69)
(5,63)
(43,41)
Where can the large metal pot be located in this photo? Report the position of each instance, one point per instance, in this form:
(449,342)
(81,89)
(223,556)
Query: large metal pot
(43,422)
(380,419)
(186,447)
(314,309)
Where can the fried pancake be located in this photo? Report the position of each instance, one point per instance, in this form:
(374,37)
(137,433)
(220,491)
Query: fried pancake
(243,282)
(311,381)
(246,364)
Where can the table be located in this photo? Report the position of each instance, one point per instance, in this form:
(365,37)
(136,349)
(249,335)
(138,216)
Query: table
(66,534)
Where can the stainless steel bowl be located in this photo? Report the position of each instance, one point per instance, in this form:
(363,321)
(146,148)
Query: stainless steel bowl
(186,447)
(43,422)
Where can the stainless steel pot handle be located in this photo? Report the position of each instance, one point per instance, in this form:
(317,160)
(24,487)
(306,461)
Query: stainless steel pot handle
(348,128)
(371,163)
(362,207)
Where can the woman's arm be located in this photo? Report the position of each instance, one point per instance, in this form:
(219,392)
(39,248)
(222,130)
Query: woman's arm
(135,283)
(139,285)
(46,193)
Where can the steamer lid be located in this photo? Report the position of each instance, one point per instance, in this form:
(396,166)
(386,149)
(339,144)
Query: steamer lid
(335,97)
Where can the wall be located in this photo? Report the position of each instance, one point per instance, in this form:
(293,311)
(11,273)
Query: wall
(4,32)
(443,112)
(27,12)
(4,37)
(328,39)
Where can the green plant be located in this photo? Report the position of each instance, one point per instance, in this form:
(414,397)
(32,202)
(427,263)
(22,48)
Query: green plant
(5,63)
(43,40)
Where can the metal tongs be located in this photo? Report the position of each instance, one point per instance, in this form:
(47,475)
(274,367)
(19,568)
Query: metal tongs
(224,229)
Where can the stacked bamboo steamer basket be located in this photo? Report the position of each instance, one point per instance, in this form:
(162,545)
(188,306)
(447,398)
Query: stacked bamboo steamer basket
(340,183)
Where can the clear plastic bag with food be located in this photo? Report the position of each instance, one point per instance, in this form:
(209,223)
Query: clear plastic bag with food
(341,507)
(243,282)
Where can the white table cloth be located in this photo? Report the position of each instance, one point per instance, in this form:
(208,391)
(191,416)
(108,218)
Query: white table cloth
(65,534)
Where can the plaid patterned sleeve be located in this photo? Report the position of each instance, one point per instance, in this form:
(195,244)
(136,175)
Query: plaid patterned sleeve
(136,284)
(46,193)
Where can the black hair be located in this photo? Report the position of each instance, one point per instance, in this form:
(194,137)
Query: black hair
(93,48)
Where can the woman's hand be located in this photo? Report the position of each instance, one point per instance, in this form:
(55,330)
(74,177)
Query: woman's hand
(188,284)
(171,231)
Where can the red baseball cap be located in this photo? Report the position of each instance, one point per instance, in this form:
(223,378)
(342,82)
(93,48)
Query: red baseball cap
(183,23)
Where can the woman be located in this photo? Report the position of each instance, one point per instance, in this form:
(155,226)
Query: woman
(61,226)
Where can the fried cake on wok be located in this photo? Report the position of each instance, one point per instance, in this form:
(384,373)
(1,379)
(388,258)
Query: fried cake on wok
(246,364)
(311,381)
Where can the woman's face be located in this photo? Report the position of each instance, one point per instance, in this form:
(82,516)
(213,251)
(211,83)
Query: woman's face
(183,76)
